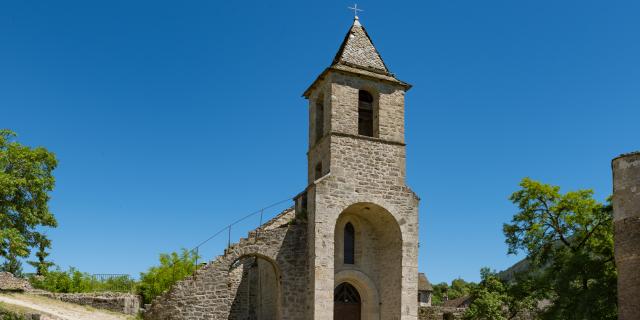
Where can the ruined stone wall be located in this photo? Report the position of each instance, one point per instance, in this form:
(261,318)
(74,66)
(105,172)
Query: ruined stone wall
(126,303)
(626,211)
(440,313)
(211,292)
(8,282)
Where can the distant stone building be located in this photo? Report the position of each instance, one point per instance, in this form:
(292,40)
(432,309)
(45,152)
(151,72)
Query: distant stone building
(626,221)
(349,247)
(425,291)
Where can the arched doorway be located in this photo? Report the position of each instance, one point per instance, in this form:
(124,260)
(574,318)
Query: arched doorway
(368,255)
(346,302)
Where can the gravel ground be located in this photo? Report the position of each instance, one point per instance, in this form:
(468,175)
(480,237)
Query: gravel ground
(57,310)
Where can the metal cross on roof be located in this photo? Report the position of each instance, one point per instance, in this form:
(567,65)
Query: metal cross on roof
(355,10)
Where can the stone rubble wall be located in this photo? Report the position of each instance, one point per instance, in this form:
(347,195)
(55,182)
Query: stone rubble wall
(8,282)
(438,313)
(126,303)
(209,293)
(449,313)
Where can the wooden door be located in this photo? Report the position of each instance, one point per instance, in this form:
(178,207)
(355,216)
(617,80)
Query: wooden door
(346,303)
(346,311)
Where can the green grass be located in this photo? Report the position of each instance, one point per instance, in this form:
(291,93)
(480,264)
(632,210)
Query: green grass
(11,312)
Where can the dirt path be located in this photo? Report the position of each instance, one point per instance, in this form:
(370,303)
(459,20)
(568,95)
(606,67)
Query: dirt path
(58,310)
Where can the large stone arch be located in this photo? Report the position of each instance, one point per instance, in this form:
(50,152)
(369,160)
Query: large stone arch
(250,247)
(377,270)
(207,295)
(254,282)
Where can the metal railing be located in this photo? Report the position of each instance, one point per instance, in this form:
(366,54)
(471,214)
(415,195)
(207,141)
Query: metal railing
(100,282)
(112,282)
(262,214)
(229,227)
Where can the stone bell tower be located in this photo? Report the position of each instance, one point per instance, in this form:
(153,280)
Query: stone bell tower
(362,218)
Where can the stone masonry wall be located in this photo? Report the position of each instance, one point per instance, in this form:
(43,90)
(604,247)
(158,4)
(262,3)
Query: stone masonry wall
(253,280)
(8,282)
(211,292)
(364,170)
(388,98)
(626,212)
(440,313)
(126,303)
(371,175)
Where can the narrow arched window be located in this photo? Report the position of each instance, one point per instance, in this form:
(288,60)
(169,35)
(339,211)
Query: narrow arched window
(349,244)
(365,113)
(319,118)
(318,171)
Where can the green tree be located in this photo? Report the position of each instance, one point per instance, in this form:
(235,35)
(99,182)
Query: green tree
(568,239)
(489,298)
(497,299)
(173,268)
(42,265)
(73,280)
(70,281)
(12,265)
(458,288)
(439,291)
(25,182)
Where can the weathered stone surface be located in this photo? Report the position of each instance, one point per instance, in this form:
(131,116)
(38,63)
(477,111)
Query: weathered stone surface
(440,313)
(357,50)
(352,179)
(363,184)
(8,282)
(626,209)
(216,291)
(126,303)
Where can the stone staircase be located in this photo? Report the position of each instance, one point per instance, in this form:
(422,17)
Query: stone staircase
(209,292)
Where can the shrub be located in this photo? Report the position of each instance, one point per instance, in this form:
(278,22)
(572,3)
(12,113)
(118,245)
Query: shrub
(74,281)
(173,268)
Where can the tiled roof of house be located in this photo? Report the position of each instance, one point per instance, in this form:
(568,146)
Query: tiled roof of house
(458,303)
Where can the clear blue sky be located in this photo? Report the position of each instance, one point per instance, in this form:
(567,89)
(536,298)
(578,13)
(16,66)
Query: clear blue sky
(171,119)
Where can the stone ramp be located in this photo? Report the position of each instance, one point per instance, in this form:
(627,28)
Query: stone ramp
(211,293)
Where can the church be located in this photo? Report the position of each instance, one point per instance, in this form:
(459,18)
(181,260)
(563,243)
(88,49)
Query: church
(348,248)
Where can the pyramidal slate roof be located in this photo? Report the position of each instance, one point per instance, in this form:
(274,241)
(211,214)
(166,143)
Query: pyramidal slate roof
(357,50)
(358,55)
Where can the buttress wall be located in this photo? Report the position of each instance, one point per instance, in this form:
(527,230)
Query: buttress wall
(226,288)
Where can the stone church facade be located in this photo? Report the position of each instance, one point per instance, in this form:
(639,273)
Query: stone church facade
(348,248)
